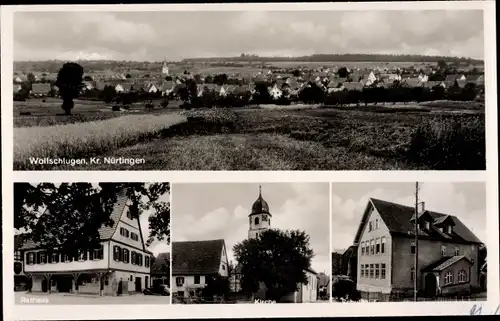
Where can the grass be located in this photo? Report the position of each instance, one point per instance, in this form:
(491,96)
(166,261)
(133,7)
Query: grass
(86,139)
(382,138)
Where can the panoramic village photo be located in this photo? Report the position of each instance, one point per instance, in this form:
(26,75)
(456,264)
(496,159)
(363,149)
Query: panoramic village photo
(249,90)
(250,243)
(412,241)
(92,243)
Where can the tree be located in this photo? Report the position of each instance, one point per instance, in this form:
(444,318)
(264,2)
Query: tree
(278,259)
(128,76)
(69,82)
(296,73)
(73,213)
(31,78)
(442,65)
(262,95)
(87,78)
(312,93)
(108,94)
(342,72)
(189,91)
(216,286)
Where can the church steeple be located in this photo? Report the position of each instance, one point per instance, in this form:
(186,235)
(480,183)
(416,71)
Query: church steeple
(260,217)
(164,70)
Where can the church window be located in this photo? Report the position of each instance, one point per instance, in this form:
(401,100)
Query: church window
(256,221)
(462,276)
(448,278)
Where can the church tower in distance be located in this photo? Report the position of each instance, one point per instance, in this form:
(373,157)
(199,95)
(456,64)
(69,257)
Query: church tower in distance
(259,218)
(164,70)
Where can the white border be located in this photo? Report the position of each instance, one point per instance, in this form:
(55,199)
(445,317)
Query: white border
(39,312)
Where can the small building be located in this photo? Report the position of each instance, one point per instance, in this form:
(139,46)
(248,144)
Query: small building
(194,262)
(160,269)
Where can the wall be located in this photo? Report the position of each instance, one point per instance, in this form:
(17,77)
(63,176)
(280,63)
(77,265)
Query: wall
(132,225)
(67,266)
(223,268)
(309,291)
(188,281)
(455,268)
(428,252)
(258,228)
(128,266)
(372,284)
(128,284)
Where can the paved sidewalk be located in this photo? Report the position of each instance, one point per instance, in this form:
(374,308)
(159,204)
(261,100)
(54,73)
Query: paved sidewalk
(79,299)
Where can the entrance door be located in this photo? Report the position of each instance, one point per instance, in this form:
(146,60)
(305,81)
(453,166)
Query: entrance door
(45,285)
(138,284)
(430,285)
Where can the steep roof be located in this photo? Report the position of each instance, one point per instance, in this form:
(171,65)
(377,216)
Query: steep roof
(161,264)
(196,257)
(105,232)
(444,262)
(398,219)
(260,205)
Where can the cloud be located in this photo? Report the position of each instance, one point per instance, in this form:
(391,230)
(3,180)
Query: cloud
(464,200)
(224,213)
(177,35)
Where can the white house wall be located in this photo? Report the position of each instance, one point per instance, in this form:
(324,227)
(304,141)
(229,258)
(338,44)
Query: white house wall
(67,266)
(128,266)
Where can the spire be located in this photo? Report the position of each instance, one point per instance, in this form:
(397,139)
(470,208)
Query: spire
(260,190)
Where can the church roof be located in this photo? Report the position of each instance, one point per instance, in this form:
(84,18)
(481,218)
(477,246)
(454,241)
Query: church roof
(260,205)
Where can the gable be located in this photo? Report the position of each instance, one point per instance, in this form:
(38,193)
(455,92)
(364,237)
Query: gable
(128,225)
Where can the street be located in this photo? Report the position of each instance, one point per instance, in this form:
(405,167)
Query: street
(72,299)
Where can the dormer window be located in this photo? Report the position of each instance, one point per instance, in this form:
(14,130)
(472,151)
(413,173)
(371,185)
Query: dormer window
(448,229)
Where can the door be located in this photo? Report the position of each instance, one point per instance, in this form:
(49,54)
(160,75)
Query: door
(138,284)
(45,285)
(430,285)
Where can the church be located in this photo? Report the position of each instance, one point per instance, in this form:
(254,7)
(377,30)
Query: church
(259,220)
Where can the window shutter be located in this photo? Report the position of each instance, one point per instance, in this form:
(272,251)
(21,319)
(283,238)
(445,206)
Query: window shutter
(115,253)
(120,254)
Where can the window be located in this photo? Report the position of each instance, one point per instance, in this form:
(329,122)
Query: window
(43,258)
(31,258)
(129,215)
(54,258)
(377,271)
(413,249)
(196,279)
(367,252)
(372,247)
(98,254)
(224,267)
(443,250)
(126,256)
(376,224)
(133,258)
(377,246)
(457,251)
(264,218)
(382,271)
(427,225)
(180,293)
(448,278)
(257,234)
(372,272)
(382,248)
(106,280)
(441,230)
(122,231)
(256,221)
(146,261)
(82,255)
(362,248)
(131,277)
(17,256)
(179,281)
(117,253)
(362,270)
(412,274)
(448,229)
(134,236)
(370,226)
(66,258)
(462,276)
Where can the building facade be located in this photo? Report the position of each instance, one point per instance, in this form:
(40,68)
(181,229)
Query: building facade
(447,253)
(194,263)
(120,265)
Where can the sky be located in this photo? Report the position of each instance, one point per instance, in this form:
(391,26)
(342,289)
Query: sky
(466,201)
(155,36)
(220,211)
(157,246)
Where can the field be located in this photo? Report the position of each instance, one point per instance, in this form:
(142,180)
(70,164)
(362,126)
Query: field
(440,136)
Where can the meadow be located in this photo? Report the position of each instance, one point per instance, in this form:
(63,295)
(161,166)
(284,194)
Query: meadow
(410,137)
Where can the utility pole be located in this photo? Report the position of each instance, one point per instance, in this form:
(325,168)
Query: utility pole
(415,281)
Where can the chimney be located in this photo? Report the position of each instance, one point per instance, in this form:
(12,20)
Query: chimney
(421,207)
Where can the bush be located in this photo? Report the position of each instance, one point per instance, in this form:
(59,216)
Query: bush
(457,143)
(345,289)
(116,108)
